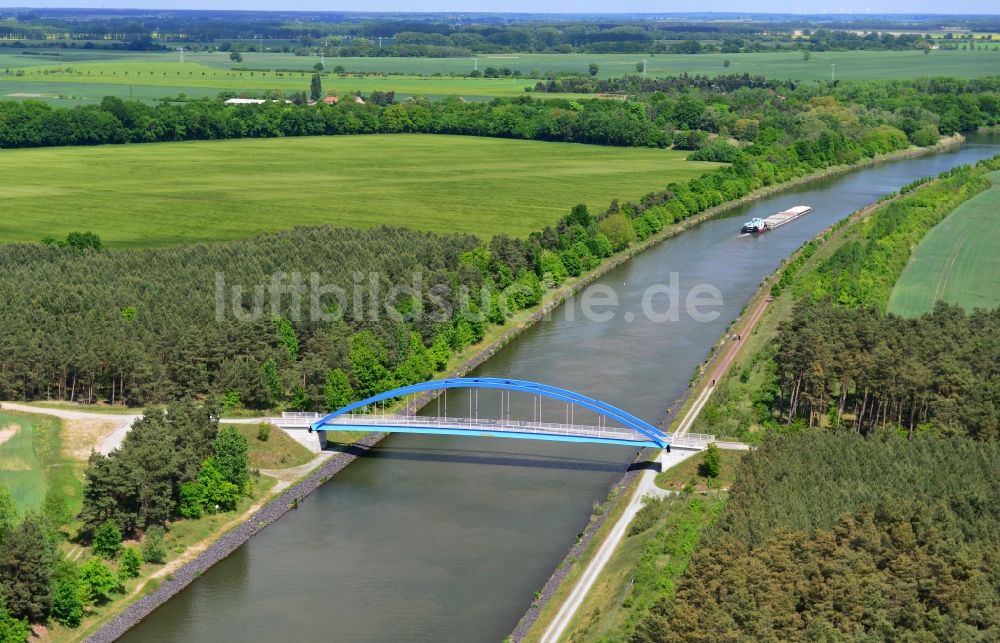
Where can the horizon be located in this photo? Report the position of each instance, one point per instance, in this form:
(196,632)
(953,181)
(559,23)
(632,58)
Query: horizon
(565,7)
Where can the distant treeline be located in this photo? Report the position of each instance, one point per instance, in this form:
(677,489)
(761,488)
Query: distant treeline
(684,112)
(444,36)
(636,84)
(950,104)
(90,335)
(35,124)
(829,536)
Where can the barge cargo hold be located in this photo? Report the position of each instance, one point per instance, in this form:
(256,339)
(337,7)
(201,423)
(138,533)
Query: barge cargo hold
(757,226)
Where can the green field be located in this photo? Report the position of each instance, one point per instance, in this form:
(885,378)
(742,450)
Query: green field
(21,471)
(957,261)
(854,65)
(31,462)
(80,76)
(161,193)
(154,80)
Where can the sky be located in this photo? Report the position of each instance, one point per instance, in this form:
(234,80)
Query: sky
(546,6)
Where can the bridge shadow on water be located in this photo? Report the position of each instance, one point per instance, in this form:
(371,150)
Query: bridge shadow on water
(492,458)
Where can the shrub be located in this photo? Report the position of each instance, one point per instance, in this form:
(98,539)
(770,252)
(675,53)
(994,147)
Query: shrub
(153,548)
(130,563)
(652,510)
(192,500)
(67,607)
(107,540)
(12,629)
(717,151)
(711,464)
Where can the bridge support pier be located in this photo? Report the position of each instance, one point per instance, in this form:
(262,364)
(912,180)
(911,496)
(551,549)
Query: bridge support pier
(313,439)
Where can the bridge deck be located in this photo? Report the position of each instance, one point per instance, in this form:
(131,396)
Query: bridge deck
(504,428)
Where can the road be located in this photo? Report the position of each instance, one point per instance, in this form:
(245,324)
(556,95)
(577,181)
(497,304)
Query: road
(647,486)
(722,367)
(107,445)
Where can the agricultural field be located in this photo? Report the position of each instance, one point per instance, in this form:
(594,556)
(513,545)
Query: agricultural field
(80,76)
(163,193)
(957,261)
(851,65)
(89,82)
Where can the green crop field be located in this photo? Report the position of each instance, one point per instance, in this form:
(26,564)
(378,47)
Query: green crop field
(161,193)
(851,65)
(80,76)
(957,261)
(92,81)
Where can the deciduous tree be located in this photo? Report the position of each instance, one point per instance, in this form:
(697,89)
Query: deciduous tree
(97,582)
(107,540)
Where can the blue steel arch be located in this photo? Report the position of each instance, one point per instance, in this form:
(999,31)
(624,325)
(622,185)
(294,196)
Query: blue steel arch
(624,418)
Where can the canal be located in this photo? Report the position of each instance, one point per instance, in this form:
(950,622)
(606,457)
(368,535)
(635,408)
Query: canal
(437,538)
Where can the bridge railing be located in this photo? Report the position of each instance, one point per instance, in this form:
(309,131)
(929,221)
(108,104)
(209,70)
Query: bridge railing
(699,440)
(522,426)
(295,420)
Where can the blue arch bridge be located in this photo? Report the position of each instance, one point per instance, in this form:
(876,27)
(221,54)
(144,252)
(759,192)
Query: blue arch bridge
(613,425)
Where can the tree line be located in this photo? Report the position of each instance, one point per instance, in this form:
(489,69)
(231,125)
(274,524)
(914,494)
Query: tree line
(833,536)
(435,36)
(36,124)
(862,272)
(867,371)
(686,112)
(636,84)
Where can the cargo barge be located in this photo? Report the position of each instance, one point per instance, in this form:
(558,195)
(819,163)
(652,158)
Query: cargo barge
(758,226)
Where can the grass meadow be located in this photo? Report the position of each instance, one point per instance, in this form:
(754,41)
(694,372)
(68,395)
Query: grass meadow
(689,473)
(80,76)
(957,261)
(278,451)
(21,471)
(32,461)
(164,193)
